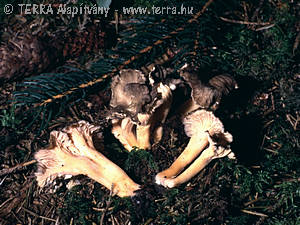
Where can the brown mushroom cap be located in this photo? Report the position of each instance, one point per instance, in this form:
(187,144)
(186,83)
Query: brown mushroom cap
(208,96)
(133,94)
(144,102)
(201,94)
(129,93)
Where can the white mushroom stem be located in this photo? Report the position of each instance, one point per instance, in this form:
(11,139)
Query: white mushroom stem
(192,150)
(161,113)
(151,124)
(135,93)
(71,152)
(200,126)
(203,160)
(143,131)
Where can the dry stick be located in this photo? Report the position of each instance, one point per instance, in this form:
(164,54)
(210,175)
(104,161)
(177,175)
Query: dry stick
(107,205)
(245,11)
(6,201)
(265,27)
(253,213)
(13,213)
(244,22)
(251,202)
(112,219)
(296,43)
(293,121)
(115,220)
(102,210)
(57,221)
(132,59)
(38,216)
(17,167)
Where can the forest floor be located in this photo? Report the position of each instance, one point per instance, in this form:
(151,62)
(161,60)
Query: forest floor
(262,186)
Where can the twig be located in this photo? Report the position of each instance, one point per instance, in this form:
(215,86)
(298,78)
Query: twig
(265,27)
(38,216)
(251,202)
(102,210)
(1,182)
(244,22)
(13,213)
(245,11)
(107,205)
(293,121)
(57,221)
(296,43)
(117,21)
(112,219)
(253,213)
(6,201)
(17,167)
(148,221)
(268,124)
(81,25)
(273,102)
(270,150)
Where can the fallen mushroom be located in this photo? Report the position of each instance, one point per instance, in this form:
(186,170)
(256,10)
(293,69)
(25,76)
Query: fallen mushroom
(71,152)
(205,96)
(204,129)
(138,107)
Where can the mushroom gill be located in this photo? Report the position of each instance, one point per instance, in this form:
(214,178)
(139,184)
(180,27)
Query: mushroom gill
(71,152)
(206,134)
(138,107)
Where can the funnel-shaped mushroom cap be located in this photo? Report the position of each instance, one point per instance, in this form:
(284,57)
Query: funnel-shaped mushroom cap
(201,94)
(133,94)
(61,155)
(201,121)
(52,159)
(71,152)
(223,83)
(208,95)
(139,105)
(129,92)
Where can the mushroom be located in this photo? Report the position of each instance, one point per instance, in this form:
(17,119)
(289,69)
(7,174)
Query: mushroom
(205,96)
(206,134)
(138,107)
(71,152)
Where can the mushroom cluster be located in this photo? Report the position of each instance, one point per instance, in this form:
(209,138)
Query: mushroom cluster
(139,106)
(207,139)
